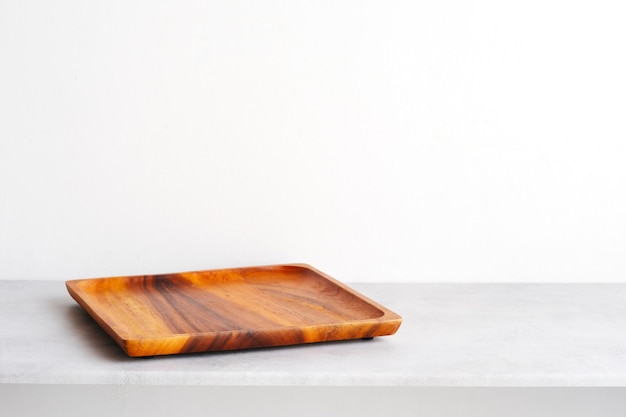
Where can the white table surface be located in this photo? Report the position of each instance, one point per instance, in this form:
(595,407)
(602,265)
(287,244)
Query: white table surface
(452,335)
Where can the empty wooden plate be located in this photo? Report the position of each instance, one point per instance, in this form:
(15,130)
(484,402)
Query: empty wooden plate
(229,309)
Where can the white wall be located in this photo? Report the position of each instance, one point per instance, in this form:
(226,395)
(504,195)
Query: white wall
(376,140)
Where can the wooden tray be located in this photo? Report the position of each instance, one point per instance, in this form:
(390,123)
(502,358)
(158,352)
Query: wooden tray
(229,309)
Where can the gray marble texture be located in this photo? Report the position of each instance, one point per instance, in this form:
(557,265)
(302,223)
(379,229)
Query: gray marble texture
(453,335)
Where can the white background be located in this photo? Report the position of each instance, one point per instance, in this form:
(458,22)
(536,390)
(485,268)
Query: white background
(376,140)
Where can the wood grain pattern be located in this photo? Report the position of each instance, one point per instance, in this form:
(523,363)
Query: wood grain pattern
(229,309)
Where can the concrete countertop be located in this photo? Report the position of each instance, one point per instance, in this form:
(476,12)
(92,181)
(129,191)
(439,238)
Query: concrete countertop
(452,335)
